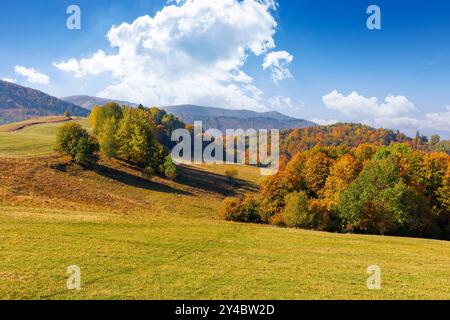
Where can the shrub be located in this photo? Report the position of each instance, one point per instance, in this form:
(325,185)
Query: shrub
(170,169)
(238,210)
(231,173)
(73,140)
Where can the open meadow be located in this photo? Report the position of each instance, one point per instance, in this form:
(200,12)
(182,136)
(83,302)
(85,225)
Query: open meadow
(139,238)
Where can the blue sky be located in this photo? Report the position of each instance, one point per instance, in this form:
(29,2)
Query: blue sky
(326,64)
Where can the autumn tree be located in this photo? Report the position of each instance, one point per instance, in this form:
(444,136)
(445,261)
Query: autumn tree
(316,171)
(342,173)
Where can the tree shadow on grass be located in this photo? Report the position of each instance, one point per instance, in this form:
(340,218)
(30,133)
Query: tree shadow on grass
(209,181)
(136,181)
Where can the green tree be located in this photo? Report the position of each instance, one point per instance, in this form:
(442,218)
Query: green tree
(137,143)
(295,213)
(435,139)
(73,140)
(87,151)
(107,138)
(378,201)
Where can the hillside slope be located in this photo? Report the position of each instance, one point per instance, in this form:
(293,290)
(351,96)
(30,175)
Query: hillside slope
(135,238)
(20,103)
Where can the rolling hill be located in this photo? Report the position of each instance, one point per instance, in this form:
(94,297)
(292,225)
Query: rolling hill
(211,117)
(20,103)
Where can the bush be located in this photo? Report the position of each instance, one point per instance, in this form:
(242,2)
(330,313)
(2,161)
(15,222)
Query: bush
(170,169)
(73,140)
(231,173)
(238,210)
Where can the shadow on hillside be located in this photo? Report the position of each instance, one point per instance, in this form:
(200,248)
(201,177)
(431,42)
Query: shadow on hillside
(135,181)
(209,181)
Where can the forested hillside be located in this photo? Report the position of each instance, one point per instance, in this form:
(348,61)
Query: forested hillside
(20,103)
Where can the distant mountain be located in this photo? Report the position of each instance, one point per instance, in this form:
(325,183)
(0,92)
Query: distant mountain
(88,102)
(19,103)
(236,119)
(211,117)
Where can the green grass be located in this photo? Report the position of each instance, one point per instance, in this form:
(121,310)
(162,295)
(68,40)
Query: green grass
(246,173)
(37,140)
(174,257)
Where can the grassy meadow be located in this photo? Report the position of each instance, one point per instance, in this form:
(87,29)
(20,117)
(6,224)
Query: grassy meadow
(31,140)
(137,238)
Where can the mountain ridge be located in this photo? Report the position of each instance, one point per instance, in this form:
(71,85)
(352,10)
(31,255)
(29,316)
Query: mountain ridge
(212,117)
(19,103)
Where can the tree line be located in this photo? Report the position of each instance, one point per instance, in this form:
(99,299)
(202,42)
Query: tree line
(352,135)
(371,189)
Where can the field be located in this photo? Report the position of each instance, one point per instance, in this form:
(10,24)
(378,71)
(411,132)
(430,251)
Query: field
(137,238)
(31,140)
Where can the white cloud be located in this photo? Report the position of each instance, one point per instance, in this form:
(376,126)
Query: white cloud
(359,106)
(191,51)
(324,122)
(32,75)
(394,112)
(98,63)
(10,80)
(281,102)
(278,62)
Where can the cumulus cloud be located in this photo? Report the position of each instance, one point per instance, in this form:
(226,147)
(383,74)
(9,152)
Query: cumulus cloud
(440,120)
(359,106)
(283,103)
(10,80)
(278,62)
(190,51)
(394,112)
(32,75)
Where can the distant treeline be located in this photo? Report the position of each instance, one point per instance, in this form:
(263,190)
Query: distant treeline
(352,135)
(373,189)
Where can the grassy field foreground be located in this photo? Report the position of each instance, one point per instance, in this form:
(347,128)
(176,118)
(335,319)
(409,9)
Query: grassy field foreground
(175,257)
(137,238)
